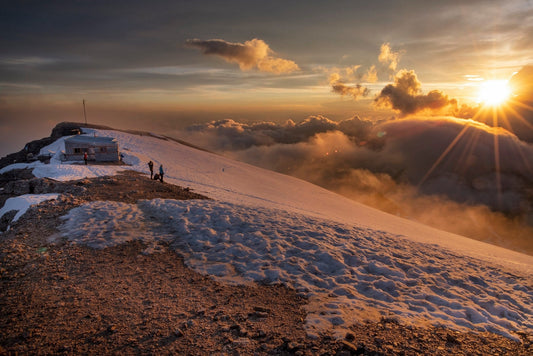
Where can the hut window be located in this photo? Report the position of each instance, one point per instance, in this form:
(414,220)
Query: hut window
(103,149)
(77,150)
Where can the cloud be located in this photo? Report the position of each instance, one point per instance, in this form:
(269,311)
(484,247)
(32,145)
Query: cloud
(371,76)
(475,221)
(522,83)
(351,71)
(399,166)
(338,76)
(388,57)
(230,135)
(464,111)
(405,95)
(406,149)
(251,54)
(337,86)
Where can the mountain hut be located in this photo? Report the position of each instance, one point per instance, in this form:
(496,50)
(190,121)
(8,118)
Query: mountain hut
(99,149)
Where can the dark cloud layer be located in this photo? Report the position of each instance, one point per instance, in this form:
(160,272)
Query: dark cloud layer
(405,95)
(399,166)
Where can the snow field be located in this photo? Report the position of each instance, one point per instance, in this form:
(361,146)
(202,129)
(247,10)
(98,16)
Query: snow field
(235,182)
(347,272)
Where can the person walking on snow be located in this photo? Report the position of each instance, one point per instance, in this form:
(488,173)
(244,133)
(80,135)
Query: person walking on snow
(161,173)
(151,166)
(85,157)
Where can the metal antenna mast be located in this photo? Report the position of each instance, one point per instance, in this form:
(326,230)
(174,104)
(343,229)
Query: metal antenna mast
(84,112)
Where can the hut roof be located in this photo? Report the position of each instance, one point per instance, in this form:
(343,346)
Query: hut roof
(91,139)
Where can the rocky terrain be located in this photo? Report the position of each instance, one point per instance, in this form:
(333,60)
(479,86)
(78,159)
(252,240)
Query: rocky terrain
(60,298)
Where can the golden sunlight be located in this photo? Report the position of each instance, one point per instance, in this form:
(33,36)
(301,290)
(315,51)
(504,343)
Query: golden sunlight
(494,92)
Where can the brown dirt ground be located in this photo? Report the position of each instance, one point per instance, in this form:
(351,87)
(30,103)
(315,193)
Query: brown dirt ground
(67,299)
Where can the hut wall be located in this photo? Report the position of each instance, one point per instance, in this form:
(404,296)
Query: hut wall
(108,152)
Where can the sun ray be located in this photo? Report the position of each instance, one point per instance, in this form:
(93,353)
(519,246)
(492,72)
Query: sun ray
(443,155)
(528,163)
(518,115)
(497,159)
(463,161)
(521,104)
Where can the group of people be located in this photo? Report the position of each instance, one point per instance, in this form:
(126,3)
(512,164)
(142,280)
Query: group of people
(157,176)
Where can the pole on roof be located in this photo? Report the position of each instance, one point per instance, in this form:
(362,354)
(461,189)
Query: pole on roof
(84,112)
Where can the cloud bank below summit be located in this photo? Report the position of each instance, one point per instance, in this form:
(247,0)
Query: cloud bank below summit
(399,166)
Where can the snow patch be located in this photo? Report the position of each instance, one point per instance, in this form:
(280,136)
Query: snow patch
(22,203)
(104,224)
(348,272)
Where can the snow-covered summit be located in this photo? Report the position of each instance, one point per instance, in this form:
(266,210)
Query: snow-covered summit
(350,260)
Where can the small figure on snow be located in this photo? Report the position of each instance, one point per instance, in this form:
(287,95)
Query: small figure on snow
(161,173)
(85,157)
(151,166)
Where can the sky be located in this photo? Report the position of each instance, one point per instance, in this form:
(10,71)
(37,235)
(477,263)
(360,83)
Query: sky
(164,65)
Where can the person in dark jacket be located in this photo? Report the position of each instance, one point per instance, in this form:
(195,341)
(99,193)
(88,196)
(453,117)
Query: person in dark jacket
(151,166)
(161,173)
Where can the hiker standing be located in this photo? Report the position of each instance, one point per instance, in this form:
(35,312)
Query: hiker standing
(151,166)
(161,173)
(85,157)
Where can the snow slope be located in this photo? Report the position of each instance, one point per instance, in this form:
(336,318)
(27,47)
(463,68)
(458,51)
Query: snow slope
(350,260)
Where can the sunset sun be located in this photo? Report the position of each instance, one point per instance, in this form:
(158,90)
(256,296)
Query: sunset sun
(494,92)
